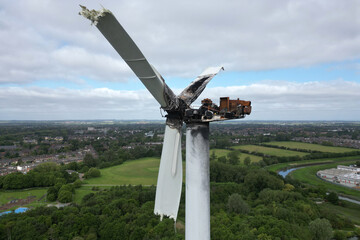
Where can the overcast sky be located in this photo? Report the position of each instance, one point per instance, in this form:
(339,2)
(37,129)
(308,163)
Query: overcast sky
(295,60)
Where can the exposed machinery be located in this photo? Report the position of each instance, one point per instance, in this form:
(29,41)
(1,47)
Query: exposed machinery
(209,111)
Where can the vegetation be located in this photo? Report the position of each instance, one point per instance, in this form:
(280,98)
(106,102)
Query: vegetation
(310,146)
(224,153)
(308,175)
(248,201)
(8,195)
(46,174)
(142,171)
(269,151)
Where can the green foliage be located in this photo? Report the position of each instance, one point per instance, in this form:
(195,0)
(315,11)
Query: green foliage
(77,183)
(333,198)
(64,196)
(247,161)
(236,204)
(258,180)
(90,161)
(321,229)
(340,235)
(92,173)
(222,159)
(233,157)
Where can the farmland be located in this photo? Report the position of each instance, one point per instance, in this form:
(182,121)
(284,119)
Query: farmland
(141,171)
(224,152)
(270,151)
(311,147)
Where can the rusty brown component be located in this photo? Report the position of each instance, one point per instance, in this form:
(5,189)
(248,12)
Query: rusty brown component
(228,105)
(207,101)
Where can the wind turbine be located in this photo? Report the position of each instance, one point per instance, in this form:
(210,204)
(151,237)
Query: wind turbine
(179,110)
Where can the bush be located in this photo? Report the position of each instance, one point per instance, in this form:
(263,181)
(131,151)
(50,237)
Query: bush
(332,198)
(237,205)
(65,196)
(92,173)
(321,229)
(77,183)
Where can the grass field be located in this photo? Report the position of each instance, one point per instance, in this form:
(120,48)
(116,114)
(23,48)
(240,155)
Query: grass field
(310,146)
(6,196)
(142,171)
(84,190)
(287,165)
(270,151)
(308,175)
(224,152)
(350,210)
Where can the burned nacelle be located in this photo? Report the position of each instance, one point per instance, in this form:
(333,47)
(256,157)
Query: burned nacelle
(209,111)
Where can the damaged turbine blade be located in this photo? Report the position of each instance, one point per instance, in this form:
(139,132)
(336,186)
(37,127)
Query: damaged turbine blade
(169,182)
(93,15)
(112,30)
(196,87)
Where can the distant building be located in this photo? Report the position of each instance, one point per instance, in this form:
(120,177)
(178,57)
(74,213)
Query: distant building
(149,134)
(348,176)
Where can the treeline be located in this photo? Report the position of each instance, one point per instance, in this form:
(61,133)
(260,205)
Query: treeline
(44,175)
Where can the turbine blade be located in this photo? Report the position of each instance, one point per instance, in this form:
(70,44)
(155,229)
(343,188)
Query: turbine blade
(169,183)
(196,87)
(112,30)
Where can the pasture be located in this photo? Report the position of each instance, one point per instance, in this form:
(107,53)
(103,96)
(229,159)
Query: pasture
(270,151)
(224,152)
(8,195)
(141,171)
(312,147)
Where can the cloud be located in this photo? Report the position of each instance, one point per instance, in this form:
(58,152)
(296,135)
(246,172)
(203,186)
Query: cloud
(48,40)
(271,100)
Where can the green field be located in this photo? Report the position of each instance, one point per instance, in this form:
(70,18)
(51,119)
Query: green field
(270,151)
(84,190)
(348,210)
(224,152)
(287,165)
(308,175)
(312,147)
(8,195)
(142,171)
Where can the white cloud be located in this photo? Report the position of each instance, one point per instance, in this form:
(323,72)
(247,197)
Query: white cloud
(180,38)
(271,100)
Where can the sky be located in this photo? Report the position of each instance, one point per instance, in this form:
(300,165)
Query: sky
(293,59)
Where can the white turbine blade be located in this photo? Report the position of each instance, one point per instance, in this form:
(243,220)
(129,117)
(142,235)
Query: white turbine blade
(169,183)
(112,30)
(196,87)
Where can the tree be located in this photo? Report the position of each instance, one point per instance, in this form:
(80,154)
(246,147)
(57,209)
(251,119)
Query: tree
(333,198)
(77,183)
(321,229)
(233,157)
(236,204)
(222,159)
(90,161)
(65,196)
(213,156)
(92,173)
(247,161)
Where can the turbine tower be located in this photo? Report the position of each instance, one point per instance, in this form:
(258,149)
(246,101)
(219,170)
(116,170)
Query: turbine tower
(179,110)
